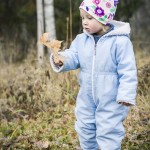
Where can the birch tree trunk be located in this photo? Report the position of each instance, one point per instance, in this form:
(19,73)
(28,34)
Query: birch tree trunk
(49,18)
(40,30)
(45,23)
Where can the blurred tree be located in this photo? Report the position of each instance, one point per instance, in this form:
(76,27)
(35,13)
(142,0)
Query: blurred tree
(13,13)
(40,31)
(17,27)
(140,23)
(62,13)
(126,9)
(45,23)
(49,18)
(18,21)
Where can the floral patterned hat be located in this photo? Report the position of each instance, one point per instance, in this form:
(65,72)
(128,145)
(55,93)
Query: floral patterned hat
(101,10)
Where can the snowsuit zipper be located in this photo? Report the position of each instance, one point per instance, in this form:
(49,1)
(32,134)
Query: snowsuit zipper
(93,66)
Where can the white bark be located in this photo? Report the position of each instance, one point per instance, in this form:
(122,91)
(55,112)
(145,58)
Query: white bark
(40,30)
(49,18)
(45,23)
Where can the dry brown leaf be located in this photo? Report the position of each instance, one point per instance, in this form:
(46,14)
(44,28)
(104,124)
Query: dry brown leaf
(54,45)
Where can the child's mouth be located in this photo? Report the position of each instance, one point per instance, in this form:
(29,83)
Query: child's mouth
(87,29)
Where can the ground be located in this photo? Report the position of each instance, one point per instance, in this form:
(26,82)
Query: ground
(37,108)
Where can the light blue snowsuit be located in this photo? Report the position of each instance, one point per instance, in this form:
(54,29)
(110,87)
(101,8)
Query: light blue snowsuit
(108,75)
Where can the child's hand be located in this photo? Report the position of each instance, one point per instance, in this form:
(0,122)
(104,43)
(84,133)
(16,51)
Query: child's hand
(58,60)
(55,46)
(125,104)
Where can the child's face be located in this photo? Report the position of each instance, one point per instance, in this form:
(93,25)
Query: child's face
(90,24)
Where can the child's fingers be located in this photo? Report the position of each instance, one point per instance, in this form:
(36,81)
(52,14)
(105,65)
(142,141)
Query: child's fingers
(58,63)
(125,104)
(57,60)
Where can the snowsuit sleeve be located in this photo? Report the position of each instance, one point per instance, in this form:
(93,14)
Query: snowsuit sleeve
(71,61)
(127,71)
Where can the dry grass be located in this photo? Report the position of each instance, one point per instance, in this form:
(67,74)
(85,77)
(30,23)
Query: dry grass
(37,109)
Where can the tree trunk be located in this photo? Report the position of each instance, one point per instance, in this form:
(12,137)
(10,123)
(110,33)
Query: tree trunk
(40,30)
(49,18)
(45,23)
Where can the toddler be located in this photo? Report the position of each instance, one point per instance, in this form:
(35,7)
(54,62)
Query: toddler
(107,77)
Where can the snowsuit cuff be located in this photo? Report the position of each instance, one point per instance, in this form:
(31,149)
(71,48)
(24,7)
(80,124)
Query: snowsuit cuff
(55,67)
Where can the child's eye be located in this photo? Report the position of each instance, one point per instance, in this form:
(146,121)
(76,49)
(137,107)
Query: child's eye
(81,18)
(90,18)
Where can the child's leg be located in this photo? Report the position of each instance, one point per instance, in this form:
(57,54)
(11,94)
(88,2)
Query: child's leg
(85,124)
(110,130)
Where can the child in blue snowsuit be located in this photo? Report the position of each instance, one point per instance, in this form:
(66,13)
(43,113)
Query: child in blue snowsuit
(107,77)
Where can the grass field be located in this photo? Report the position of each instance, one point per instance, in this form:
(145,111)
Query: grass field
(37,108)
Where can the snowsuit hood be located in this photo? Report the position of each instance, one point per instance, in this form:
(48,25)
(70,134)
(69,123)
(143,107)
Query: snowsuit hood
(120,28)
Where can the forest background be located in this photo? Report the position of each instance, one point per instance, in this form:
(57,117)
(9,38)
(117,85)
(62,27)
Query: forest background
(36,104)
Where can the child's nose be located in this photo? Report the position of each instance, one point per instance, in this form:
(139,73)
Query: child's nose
(85,22)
